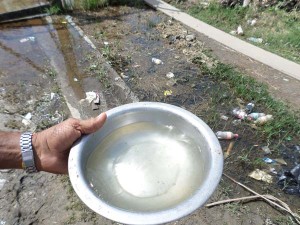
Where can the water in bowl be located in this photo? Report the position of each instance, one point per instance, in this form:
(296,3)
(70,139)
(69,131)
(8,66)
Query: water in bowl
(145,167)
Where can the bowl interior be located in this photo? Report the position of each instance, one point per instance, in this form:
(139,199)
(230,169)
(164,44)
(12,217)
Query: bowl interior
(150,159)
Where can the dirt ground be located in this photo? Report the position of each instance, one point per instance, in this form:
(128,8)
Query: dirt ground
(135,35)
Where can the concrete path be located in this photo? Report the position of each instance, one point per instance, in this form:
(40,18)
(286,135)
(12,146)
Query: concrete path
(7,6)
(281,64)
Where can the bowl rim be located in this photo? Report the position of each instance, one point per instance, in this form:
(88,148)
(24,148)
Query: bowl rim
(197,200)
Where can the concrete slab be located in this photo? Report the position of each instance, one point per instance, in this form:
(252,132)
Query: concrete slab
(12,9)
(281,64)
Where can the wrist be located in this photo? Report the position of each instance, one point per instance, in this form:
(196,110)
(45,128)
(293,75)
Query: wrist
(37,151)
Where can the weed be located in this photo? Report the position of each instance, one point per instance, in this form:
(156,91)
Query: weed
(51,72)
(53,10)
(286,123)
(286,220)
(279,29)
(93,4)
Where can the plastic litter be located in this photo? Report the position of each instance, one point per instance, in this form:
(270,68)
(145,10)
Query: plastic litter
(252,22)
(268,160)
(281,162)
(105,43)
(266,150)
(289,180)
(239,113)
(255,40)
(223,117)
(255,116)
(261,175)
(249,107)
(75,79)
(27,119)
(157,61)
(2,182)
(124,76)
(240,30)
(190,37)
(227,135)
(23,40)
(168,92)
(246,3)
(264,119)
(170,75)
(90,96)
(233,32)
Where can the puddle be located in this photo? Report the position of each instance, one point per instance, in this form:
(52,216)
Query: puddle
(23,55)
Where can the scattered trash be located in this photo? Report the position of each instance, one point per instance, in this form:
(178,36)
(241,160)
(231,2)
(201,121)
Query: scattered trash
(290,181)
(272,170)
(266,150)
(168,92)
(233,32)
(255,40)
(228,150)
(90,96)
(26,121)
(264,119)
(75,79)
(170,75)
(223,117)
(135,66)
(246,3)
(32,39)
(52,95)
(239,113)
(255,116)
(157,61)
(252,22)
(190,37)
(64,22)
(227,135)
(105,43)
(281,161)
(240,30)
(236,122)
(117,78)
(261,175)
(285,79)
(249,107)
(268,160)
(124,76)
(93,97)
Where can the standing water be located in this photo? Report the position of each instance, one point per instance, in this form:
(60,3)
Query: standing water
(145,167)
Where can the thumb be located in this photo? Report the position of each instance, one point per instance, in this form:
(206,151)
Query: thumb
(93,124)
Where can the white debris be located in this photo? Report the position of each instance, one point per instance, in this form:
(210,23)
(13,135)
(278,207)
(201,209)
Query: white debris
(252,22)
(246,3)
(26,121)
(124,76)
(2,182)
(52,95)
(190,37)
(233,32)
(75,79)
(256,40)
(240,30)
(117,78)
(27,39)
(90,96)
(157,61)
(105,43)
(285,79)
(170,75)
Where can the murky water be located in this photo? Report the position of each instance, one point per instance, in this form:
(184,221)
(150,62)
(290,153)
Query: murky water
(149,167)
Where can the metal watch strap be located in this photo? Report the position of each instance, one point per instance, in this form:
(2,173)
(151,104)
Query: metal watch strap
(27,152)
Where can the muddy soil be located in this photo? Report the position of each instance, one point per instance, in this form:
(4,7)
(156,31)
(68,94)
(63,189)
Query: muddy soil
(130,38)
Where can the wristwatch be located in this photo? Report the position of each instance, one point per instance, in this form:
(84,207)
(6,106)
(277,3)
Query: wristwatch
(27,152)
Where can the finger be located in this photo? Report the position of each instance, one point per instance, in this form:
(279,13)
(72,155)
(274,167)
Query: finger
(91,125)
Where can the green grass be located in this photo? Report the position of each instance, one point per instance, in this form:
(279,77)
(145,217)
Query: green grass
(94,4)
(285,124)
(53,10)
(280,30)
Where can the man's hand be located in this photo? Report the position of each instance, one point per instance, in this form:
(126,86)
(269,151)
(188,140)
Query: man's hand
(52,146)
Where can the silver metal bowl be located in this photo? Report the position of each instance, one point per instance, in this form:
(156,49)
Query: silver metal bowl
(150,163)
